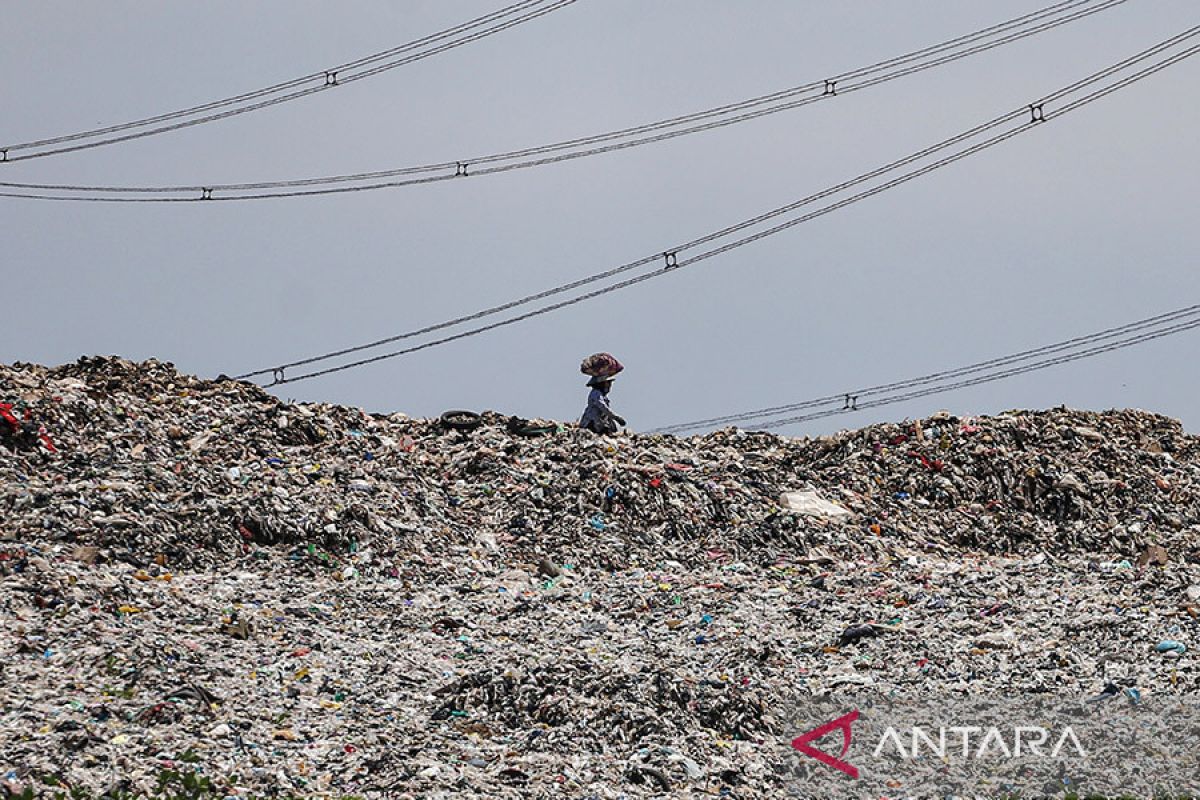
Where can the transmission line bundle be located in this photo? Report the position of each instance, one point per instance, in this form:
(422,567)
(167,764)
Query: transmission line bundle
(1090,345)
(970,142)
(339,75)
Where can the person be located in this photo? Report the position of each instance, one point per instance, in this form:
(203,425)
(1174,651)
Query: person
(598,417)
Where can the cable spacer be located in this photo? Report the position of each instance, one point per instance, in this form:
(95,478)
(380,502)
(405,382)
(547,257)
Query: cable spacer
(846,403)
(331,78)
(277,376)
(460,169)
(3,155)
(854,402)
(671,259)
(830,88)
(205,193)
(1036,114)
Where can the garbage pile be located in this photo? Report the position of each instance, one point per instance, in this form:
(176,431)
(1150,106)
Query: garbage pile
(309,599)
(146,463)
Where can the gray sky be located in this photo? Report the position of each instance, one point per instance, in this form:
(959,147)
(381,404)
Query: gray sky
(1087,222)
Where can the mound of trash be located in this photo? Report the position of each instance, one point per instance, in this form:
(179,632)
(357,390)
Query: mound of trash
(145,463)
(309,600)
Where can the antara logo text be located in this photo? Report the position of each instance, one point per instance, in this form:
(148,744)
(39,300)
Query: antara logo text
(956,742)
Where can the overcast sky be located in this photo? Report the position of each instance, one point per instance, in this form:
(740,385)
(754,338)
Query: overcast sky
(1087,222)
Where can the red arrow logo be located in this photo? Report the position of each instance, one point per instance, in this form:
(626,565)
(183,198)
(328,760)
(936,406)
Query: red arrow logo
(801,743)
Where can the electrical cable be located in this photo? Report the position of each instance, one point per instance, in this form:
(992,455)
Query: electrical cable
(989,378)
(277,372)
(853,396)
(329,79)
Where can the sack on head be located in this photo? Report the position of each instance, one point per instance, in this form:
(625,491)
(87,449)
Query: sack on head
(600,365)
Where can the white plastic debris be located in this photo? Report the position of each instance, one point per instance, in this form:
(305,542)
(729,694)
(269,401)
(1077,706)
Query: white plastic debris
(810,503)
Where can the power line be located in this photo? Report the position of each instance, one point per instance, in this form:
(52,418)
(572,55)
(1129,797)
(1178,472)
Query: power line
(850,400)
(670,261)
(581,147)
(316,76)
(1122,344)
(277,372)
(493,23)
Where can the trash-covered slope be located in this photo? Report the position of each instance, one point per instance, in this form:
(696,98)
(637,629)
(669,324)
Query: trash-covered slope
(153,463)
(313,600)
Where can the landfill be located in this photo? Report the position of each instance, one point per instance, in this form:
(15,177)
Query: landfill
(313,600)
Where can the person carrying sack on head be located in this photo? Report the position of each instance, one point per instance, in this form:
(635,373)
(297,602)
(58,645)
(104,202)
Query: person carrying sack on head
(598,417)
